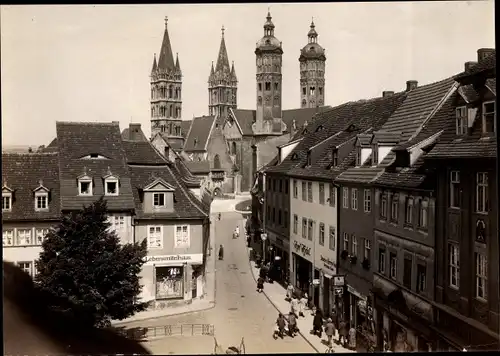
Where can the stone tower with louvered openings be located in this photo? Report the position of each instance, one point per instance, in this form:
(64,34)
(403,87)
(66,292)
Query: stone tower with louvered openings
(166,94)
(269,53)
(312,72)
(222,84)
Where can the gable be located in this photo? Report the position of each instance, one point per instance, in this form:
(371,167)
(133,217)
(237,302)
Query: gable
(159,185)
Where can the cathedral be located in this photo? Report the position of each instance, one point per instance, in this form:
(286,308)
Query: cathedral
(226,147)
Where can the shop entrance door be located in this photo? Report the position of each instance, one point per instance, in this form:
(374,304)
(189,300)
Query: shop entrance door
(326,295)
(316,289)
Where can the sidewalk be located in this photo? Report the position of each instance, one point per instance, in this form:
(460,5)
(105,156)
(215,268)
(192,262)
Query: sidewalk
(204,302)
(275,293)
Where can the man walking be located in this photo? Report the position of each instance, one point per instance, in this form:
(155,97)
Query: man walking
(292,324)
(281,322)
(329,331)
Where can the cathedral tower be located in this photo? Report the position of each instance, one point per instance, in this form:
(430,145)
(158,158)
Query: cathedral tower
(312,72)
(222,84)
(269,55)
(166,94)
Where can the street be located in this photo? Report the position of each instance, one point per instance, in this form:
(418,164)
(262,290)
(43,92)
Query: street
(240,311)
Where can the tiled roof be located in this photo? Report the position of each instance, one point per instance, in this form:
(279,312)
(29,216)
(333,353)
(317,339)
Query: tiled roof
(78,140)
(53,143)
(185,126)
(408,177)
(185,204)
(198,166)
(487,64)
(360,175)
(468,93)
(339,121)
(492,85)
(22,172)
(140,152)
(245,120)
(199,133)
(417,107)
(140,136)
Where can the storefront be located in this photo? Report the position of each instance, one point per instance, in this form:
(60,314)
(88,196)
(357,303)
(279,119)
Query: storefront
(278,255)
(326,295)
(302,267)
(172,278)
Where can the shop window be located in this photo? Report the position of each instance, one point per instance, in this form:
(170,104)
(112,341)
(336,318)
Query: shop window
(169,282)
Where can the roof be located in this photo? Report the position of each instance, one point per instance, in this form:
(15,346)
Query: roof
(186,205)
(487,64)
(185,126)
(139,152)
(78,140)
(166,60)
(245,119)
(199,133)
(198,166)
(139,137)
(417,107)
(23,173)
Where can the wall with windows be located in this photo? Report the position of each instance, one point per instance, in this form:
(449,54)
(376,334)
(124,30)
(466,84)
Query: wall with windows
(22,242)
(277,205)
(122,225)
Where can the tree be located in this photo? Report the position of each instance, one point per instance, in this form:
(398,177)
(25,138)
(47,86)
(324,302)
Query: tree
(83,263)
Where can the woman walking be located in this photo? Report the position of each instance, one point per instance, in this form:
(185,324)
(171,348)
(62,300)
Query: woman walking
(260,285)
(318,323)
(343,333)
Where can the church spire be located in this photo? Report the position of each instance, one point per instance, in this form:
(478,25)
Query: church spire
(155,65)
(233,73)
(177,64)
(222,60)
(166,59)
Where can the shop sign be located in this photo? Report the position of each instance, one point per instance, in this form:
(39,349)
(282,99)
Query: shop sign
(316,282)
(338,290)
(174,259)
(263,236)
(329,264)
(338,280)
(306,251)
(356,293)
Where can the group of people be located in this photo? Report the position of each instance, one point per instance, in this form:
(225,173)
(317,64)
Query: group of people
(332,326)
(269,272)
(281,323)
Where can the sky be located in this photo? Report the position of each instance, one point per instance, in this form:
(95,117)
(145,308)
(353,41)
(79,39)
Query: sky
(92,63)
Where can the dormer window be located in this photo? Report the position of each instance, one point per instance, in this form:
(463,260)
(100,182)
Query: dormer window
(111,184)
(461,120)
(85,185)
(158,200)
(41,201)
(489,116)
(6,198)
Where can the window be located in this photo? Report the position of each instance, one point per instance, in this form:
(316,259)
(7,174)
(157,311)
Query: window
(393,265)
(41,201)
(85,187)
(345,197)
(409,211)
(295,189)
(273,216)
(295,223)
(112,187)
(8,237)
(421,277)
(346,242)
(320,90)
(286,187)
(6,202)
(480,231)
(276,86)
(304,227)
(182,237)
(275,185)
(280,186)
(481,276)
(394,208)
(354,251)
(482,192)
(40,235)
(304,91)
(332,195)
(26,267)
(118,222)
(285,219)
(24,237)
(381,260)
(331,238)
(310,230)
(260,86)
(455,189)
(489,117)
(158,200)
(461,120)
(309,192)
(383,205)
(422,215)
(155,239)
(322,234)
(268,85)
(280,220)
(358,157)
(322,193)
(367,200)
(368,249)
(454,265)
(354,193)
(311,91)
(304,191)
(407,265)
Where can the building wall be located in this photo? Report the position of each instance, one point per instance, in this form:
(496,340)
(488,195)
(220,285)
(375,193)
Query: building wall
(124,231)
(217,146)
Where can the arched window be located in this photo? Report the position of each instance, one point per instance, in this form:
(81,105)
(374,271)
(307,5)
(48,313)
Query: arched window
(480,231)
(152,93)
(170,94)
(171,111)
(152,112)
(233,148)
(311,90)
(304,102)
(216,162)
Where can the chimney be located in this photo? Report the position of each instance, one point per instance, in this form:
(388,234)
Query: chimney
(469,65)
(482,53)
(134,132)
(387,93)
(411,85)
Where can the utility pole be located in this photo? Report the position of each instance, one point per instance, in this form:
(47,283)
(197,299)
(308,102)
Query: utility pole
(264,234)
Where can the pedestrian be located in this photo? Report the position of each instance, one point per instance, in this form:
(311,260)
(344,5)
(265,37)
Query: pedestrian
(352,338)
(303,304)
(260,284)
(292,324)
(343,332)
(220,216)
(281,323)
(329,331)
(221,252)
(263,272)
(294,305)
(289,292)
(318,323)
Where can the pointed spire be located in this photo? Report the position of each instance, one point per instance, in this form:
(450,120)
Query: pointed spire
(233,72)
(212,73)
(222,59)
(166,60)
(155,65)
(312,32)
(177,64)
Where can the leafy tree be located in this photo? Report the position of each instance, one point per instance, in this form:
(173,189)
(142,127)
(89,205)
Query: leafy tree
(93,276)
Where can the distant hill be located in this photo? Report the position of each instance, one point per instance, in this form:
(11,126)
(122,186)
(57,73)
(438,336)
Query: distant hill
(18,148)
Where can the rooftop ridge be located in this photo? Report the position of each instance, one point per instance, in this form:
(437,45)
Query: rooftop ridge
(88,123)
(30,153)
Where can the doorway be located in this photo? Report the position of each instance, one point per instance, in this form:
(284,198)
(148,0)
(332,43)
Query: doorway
(326,295)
